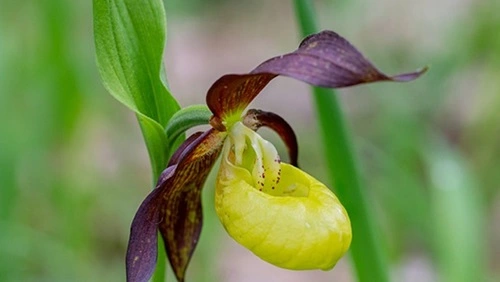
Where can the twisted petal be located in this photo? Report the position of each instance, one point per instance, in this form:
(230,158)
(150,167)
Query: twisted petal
(287,218)
(255,119)
(174,207)
(323,59)
(142,247)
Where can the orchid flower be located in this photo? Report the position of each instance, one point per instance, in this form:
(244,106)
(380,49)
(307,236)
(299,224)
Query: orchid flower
(279,212)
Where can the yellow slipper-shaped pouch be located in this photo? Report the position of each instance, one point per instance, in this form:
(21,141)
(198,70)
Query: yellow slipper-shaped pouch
(280,213)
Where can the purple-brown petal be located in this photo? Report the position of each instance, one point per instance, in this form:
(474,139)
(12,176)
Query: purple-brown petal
(181,215)
(176,157)
(233,92)
(255,119)
(324,59)
(173,208)
(143,242)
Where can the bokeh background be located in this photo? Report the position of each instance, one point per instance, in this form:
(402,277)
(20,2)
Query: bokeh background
(74,169)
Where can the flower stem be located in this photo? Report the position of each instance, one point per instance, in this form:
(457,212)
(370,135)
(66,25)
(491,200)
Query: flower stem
(369,261)
(161,263)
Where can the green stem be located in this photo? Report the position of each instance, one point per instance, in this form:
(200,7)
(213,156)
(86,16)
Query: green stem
(161,264)
(369,261)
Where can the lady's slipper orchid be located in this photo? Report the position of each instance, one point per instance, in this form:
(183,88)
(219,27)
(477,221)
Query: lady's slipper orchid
(274,209)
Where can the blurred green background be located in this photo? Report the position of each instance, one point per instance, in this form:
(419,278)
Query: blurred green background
(74,169)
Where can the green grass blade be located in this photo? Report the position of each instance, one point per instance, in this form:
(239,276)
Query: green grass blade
(458,218)
(366,252)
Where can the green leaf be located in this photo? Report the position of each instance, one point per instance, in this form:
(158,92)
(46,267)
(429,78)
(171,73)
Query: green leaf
(130,38)
(156,141)
(185,119)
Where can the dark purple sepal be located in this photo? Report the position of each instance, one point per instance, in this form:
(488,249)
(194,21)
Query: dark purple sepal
(233,92)
(255,119)
(324,59)
(176,157)
(181,214)
(405,77)
(173,208)
(142,248)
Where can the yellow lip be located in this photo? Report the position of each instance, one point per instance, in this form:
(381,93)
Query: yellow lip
(296,223)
